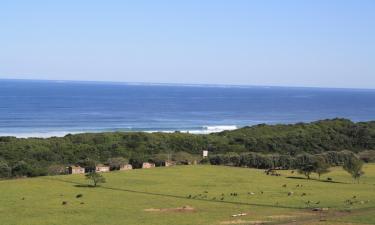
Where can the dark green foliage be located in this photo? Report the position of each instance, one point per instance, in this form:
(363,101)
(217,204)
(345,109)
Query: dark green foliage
(5,170)
(249,146)
(21,168)
(306,164)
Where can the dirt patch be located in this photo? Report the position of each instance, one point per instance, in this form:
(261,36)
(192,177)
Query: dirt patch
(282,216)
(253,222)
(178,209)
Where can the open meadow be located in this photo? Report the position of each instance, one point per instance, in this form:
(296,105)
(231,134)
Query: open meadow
(190,195)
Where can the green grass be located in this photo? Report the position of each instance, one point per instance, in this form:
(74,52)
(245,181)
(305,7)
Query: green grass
(125,196)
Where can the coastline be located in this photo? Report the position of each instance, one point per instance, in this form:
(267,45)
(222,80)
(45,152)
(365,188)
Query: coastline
(48,134)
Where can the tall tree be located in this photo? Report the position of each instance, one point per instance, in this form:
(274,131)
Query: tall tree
(321,166)
(354,167)
(306,164)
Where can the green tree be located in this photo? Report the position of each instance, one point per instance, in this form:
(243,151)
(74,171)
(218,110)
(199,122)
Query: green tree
(354,167)
(95,178)
(22,168)
(321,166)
(5,170)
(306,164)
(306,170)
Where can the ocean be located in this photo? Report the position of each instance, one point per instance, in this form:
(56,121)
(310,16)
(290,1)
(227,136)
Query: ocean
(56,108)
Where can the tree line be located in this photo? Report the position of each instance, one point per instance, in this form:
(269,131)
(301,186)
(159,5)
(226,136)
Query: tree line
(38,156)
(304,163)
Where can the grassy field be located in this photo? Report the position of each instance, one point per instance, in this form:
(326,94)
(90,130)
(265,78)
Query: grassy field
(161,196)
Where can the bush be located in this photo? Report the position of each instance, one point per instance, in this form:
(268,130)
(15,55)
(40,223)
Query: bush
(21,169)
(205,161)
(5,170)
(56,169)
(183,158)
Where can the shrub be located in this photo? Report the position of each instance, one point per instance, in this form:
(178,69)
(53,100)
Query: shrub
(5,170)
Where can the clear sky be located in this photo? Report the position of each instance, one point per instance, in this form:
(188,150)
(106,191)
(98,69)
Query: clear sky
(324,43)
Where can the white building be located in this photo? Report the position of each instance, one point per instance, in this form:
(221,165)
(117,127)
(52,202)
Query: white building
(101,168)
(126,167)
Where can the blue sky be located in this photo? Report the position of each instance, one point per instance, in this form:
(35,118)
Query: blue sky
(316,43)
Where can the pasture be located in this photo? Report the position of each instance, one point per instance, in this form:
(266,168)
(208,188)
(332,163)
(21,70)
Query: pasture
(197,195)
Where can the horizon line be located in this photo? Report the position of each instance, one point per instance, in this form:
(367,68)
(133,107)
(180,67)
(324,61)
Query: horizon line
(213,85)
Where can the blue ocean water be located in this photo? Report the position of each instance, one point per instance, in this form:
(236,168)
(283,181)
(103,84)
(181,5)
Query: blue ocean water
(53,108)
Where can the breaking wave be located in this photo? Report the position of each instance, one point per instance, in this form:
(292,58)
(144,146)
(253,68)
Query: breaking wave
(194,130)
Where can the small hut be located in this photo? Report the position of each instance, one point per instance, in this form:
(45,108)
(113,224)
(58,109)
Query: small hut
(169,163)
(76,170)
(126,167)
(101,168)
(147,165)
